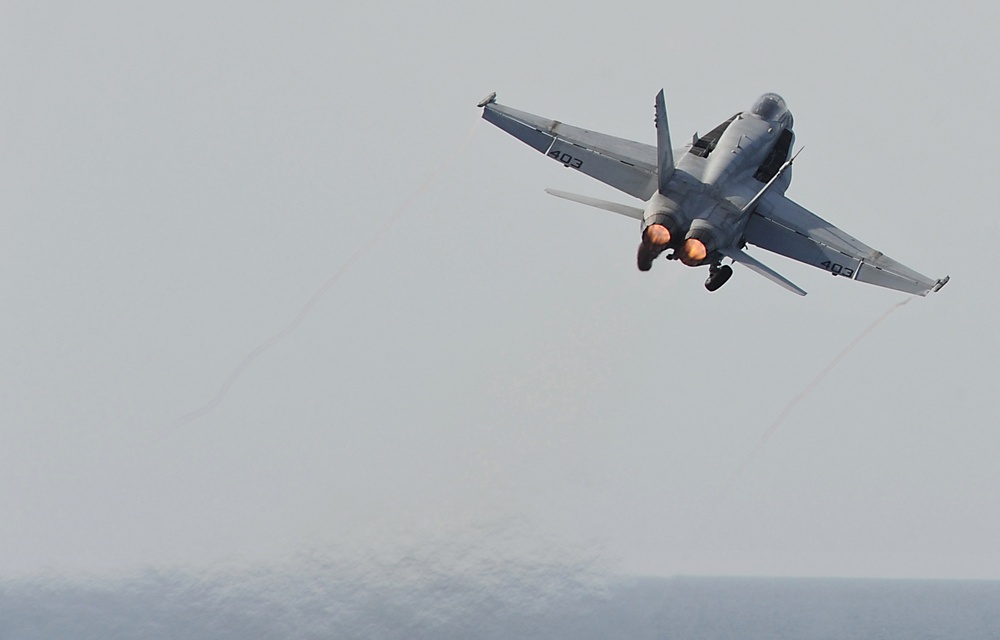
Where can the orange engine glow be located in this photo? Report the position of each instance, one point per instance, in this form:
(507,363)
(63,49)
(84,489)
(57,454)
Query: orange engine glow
(657,234)
(694,252)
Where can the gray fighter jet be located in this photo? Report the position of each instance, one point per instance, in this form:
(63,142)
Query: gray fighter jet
(707,200)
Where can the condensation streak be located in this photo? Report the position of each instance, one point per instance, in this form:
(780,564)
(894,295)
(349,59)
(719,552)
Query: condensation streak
(220,395)
(805,393)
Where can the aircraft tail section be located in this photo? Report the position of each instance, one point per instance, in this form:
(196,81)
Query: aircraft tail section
(664,152)
(614,207)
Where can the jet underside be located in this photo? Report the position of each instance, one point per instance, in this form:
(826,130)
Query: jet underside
(706,201)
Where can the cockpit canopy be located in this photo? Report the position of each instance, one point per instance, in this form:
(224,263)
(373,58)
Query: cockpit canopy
(772,107)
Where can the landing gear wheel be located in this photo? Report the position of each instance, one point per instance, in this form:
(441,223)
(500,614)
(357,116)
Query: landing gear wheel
(718,276)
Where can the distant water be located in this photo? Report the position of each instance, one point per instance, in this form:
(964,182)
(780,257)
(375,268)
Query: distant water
(555,606)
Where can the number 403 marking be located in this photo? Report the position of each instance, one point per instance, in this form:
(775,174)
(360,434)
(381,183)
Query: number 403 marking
(837,269)
(566,159)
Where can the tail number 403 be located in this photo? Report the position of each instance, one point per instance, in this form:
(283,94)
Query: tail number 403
(566,159)
(837,269)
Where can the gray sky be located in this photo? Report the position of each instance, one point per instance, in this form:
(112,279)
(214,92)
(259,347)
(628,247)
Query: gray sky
(180,178)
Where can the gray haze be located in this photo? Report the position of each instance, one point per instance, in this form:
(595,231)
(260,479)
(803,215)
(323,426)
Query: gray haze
(178,179)
(327,600)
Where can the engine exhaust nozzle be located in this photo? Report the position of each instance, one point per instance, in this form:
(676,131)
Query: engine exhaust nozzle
(656,236)
(693,252)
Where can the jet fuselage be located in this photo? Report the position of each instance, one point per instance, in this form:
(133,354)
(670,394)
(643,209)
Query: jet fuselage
(702,206)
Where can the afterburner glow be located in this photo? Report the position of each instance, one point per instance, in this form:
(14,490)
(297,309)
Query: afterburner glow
(694,252)
(658,235)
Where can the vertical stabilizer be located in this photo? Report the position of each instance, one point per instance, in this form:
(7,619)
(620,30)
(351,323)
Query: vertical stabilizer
(664,153)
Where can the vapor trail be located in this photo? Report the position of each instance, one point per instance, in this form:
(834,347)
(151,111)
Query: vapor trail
(788,410)
(805,394)
(220,395)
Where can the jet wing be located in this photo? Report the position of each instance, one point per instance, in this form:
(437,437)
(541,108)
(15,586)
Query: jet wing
(625,165)
(782,226)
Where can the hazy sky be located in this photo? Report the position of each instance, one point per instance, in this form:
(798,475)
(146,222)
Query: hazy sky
(179,178)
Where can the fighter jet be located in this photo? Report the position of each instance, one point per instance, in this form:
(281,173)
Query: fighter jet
(706,201)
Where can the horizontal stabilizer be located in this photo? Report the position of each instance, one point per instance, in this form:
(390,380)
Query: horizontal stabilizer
(758,267)
(623,209)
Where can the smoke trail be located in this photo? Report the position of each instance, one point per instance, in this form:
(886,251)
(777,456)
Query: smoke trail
(805,394)
(788,410)
(220,395)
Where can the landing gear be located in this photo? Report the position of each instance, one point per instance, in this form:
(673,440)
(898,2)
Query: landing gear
(718,276)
